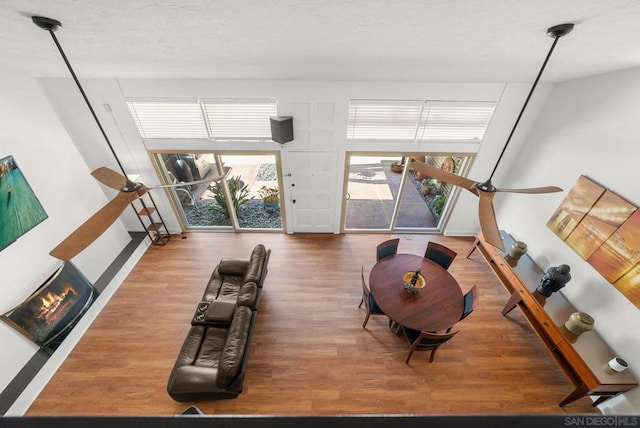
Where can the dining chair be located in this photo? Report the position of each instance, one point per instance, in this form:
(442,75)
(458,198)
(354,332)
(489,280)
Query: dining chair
(370,304)
(470,302)
(425,341)
(440,254)
(387,248)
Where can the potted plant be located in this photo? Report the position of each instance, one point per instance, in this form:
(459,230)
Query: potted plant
(270,198)
(427,186)
(397,166)
(239,195)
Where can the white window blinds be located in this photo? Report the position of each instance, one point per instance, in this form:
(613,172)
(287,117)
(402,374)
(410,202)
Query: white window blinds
(454,121)
(229,120)
(224,119)
(168,119)
(371,120)
(418,120)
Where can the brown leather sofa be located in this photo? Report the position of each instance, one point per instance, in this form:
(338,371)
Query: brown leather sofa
(212,362)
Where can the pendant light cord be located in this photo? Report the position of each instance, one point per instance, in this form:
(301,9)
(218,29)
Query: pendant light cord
(515,125)
(93,113)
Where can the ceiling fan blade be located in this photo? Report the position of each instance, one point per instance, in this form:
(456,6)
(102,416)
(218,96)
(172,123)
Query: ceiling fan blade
(442,175)
(487,217)
(189,183)
(109,177)
(546,189)
(95,226)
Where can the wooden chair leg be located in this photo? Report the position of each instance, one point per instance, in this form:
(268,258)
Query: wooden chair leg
(361,302)
(413,347)
(366,319)
(409,356)
(433,354)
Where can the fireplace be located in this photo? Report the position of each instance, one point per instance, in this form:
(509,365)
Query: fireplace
(49,314)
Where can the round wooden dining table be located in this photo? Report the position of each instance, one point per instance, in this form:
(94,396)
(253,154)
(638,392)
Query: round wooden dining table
(436,307)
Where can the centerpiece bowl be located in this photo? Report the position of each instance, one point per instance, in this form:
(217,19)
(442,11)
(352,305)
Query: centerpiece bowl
(415,288)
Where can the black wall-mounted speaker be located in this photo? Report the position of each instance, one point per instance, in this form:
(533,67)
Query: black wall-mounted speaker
(281,129)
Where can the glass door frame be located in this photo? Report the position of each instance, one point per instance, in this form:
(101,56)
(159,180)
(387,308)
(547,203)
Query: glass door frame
(235,226)
(452,197)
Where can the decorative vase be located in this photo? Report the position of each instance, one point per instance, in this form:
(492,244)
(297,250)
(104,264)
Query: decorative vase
(517,250)
(271,207)
(579,322)
(395,167)
(413,281)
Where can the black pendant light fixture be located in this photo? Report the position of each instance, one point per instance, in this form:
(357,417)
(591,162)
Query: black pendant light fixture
(485,190)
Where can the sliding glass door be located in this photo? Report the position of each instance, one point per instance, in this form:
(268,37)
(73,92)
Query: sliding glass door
(384,193)
(248,197)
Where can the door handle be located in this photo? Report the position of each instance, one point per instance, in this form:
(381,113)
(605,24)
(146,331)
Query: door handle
(293,201)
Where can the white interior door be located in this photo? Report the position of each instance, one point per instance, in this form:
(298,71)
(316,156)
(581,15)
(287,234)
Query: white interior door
(311,182)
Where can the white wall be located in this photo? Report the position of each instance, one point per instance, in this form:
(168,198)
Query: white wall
(589,126)
(32,133)
(294,98)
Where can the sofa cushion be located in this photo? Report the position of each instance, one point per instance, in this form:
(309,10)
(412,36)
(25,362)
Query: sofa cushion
(232,266)
(191,345)
(232,355)
(211,347)
(213,286)
(230,287)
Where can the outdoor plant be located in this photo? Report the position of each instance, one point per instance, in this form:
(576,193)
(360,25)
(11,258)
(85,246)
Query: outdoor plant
(269,194)
(238,191)
(438,203)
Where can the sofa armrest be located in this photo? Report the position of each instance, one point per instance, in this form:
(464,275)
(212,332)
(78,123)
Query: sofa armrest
(220,312)
(229,266)
(256,265)
(192,379)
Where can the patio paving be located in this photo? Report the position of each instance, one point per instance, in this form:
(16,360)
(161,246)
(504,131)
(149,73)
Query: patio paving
(375,212)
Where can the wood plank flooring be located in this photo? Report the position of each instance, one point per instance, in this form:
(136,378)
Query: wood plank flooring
(309,354)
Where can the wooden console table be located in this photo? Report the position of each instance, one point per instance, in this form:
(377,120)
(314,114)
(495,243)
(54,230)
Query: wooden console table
(583,358)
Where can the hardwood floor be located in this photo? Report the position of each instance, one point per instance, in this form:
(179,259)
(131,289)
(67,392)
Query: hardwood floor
(309,354)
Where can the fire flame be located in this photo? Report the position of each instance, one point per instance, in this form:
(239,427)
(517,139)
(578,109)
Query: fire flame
(51,301)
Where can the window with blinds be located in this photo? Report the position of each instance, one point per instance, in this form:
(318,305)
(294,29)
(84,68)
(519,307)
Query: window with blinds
(418,120)
(371,120)
(225,119)
(229,120)
(169,119)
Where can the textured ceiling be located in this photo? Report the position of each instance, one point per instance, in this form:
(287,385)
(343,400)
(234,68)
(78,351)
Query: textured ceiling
(387,40)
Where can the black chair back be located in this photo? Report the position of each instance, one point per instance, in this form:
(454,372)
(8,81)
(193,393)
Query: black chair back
(387,248)
(440,254)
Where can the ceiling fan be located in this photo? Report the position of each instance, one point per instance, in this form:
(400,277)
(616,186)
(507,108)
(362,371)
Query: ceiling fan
(485,190)
(128,190)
